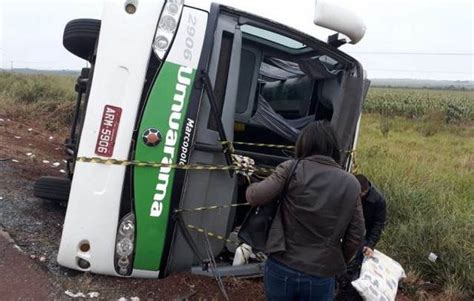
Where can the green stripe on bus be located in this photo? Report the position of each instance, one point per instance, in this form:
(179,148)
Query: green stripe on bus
(165,110)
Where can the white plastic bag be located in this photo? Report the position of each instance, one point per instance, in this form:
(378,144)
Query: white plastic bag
(242,254)
(379,276)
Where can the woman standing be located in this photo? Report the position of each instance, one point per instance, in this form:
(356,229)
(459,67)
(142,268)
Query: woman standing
(322,222)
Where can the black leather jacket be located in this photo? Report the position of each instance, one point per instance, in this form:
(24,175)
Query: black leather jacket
(375,212)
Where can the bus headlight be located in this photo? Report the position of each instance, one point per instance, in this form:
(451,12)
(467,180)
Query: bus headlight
(161,43)
(124,247)
(125,244)
(172,8)
(167,25)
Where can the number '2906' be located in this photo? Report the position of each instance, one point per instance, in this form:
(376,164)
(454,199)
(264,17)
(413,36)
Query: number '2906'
(189,42)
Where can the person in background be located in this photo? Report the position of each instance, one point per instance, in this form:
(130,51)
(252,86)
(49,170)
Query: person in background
(374,207)
(375,212)
(322,222)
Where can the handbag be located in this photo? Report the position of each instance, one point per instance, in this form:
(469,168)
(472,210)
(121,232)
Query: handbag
(254,230)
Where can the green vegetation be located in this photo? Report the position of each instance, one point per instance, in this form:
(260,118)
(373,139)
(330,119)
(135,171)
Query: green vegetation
(429,185)
(30,88)
(424,164)
(48,99)
(418,149)
(457,106)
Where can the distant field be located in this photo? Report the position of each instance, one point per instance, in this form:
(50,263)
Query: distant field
(415,144)
(456,106)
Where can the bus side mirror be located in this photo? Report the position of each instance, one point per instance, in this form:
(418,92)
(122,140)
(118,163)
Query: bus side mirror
(339,19)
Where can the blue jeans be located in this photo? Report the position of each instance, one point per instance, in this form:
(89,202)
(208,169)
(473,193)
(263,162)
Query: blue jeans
(284,283)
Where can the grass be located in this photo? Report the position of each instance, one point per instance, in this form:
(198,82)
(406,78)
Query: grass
(424,164)
(31,88)
(47,99)
(428,183)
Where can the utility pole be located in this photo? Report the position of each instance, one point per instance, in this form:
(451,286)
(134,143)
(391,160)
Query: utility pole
(11,66)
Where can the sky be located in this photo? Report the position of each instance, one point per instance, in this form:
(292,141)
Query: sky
(423,39)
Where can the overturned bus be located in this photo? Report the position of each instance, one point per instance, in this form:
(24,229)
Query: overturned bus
(177,89)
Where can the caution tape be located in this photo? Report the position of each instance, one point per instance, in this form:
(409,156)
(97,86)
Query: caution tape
(284,146)
(213,235)
(175,166)
(258,144)
(210,207)
(204,231)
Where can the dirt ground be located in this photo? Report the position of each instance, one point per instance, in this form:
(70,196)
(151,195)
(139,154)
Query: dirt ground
(30,231)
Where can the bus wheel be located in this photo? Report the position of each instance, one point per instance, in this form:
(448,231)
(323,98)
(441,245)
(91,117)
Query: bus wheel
(52,188)
(80,37)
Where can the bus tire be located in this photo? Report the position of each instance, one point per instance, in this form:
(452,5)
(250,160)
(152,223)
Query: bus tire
(80,37)
(52,188)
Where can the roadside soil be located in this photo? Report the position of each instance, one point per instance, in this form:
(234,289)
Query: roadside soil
(30,231)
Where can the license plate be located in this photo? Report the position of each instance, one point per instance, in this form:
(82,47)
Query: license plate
(108,131)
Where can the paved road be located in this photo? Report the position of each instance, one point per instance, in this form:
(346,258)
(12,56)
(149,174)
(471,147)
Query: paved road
(20,277)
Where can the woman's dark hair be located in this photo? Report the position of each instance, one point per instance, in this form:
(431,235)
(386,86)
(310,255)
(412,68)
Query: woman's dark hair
(364,182)
(318,138)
